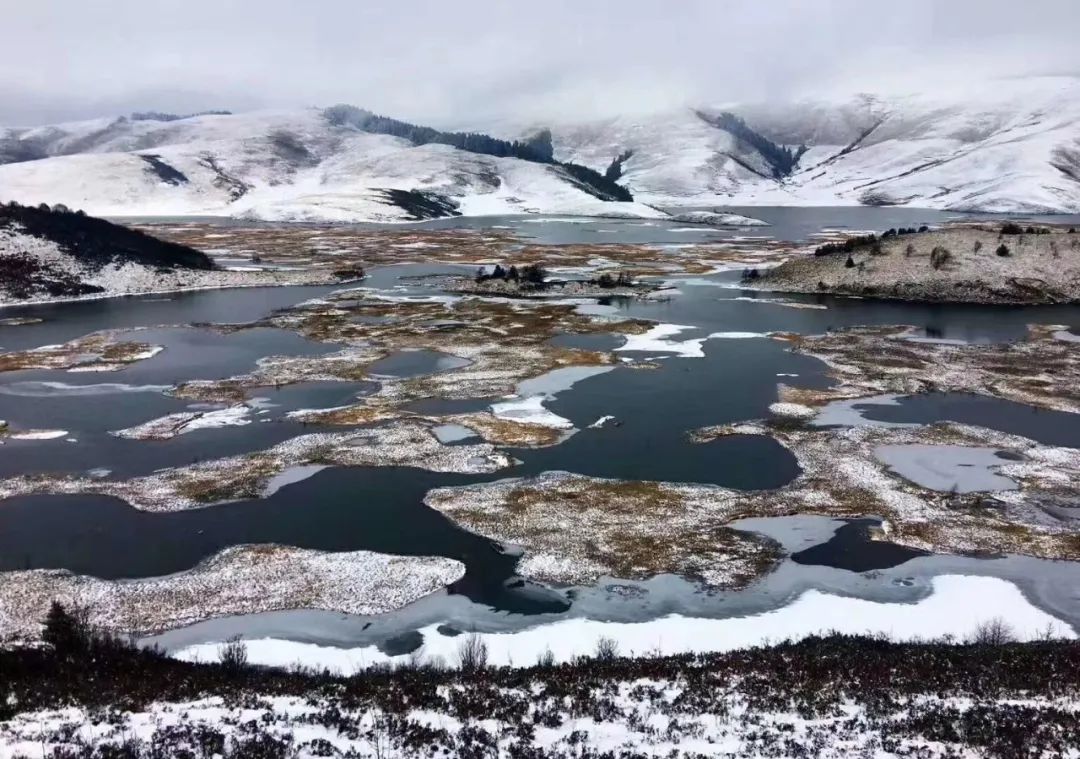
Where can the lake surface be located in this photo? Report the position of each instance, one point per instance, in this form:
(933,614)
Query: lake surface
(381,509)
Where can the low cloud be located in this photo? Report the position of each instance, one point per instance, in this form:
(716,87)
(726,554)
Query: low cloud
(464,62)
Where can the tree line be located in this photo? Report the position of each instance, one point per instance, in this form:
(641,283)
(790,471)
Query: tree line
(536,149)
(781,159)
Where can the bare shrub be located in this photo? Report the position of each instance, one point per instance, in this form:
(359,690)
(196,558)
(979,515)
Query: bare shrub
(1003,250)
(546,659)
(978,246)
(876,249)
(232,654)
(993,632)
(1048,634)
(909,251)
(940,256)
(415,659)
(472,654)
(607,649)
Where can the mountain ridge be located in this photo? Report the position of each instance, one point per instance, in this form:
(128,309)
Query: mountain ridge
(1013,148)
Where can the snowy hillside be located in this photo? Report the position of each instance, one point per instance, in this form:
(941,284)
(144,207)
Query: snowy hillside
(56,253)
(1013,146)
(276,166)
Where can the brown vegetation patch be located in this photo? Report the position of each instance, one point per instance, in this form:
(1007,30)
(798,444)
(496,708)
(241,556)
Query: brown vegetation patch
(100,350)
(575,529)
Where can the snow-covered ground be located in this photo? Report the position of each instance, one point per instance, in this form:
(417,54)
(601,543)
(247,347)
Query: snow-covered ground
(1012,146)
(910,700)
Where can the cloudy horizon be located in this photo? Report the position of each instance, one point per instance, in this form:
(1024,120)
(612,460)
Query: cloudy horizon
(458,63)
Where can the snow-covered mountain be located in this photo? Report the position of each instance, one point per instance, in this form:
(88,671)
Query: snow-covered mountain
(1012,147)
(292,165)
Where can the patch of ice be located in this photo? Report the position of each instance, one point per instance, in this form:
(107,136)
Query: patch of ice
(958,468)
(556,381)
(596,309)
(844,414)
(150,352)
(782,302)
(702,282)
(38,435)
(657,340)
(559,220)
(233,416)
(531,394)
(52,389)
(530,411)
(180,423)
(291,476)
(451,433)
(736,335)
(601,422)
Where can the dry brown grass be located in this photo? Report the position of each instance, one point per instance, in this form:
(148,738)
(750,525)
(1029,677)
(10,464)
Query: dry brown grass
(245,479)
(627,529)
(507,432)
(92,350)
(350,415)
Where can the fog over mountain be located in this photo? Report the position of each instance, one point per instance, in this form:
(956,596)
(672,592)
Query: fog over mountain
(450,63)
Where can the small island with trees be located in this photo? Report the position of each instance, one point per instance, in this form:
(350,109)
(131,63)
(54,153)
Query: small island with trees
(534,281)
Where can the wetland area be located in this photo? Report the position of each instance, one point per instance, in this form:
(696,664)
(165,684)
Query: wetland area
(346,472)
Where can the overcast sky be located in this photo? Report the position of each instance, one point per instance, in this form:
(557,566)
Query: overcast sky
(459,62)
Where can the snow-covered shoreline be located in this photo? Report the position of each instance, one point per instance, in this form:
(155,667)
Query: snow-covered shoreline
(957,605)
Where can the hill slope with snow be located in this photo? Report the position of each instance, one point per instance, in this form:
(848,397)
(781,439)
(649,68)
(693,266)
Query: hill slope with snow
(1012,147)
(57,253)
(277,166)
